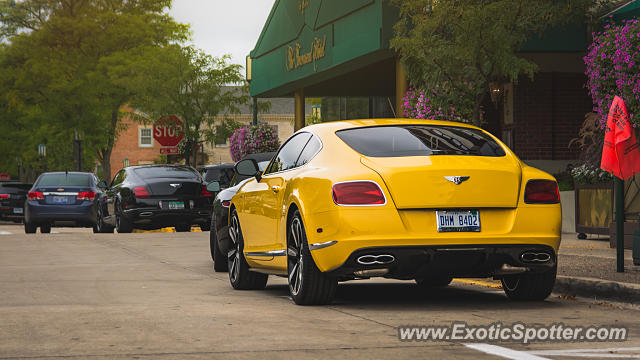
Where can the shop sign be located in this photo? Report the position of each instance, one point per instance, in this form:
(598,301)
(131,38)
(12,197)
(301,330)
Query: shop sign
(295,59)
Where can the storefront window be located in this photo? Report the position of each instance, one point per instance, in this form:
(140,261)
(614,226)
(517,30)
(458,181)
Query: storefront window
(348,108)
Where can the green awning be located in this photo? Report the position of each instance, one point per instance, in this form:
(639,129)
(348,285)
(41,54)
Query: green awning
(628,11)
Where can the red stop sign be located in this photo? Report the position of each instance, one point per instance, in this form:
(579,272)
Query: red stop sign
(168,132)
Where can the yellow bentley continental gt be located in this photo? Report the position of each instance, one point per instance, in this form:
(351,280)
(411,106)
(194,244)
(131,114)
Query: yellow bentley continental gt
(405,199)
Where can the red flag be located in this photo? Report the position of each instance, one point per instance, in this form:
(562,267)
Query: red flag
(620,154)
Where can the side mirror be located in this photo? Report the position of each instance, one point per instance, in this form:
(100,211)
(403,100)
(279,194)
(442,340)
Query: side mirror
(102,184)
(213,186)
(248,167)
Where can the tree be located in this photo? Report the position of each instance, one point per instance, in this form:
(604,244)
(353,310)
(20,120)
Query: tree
(64,57)
(194,86)
(454,49)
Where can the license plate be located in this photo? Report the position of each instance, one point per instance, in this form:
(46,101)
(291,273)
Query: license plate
(59,200)
(458,221)
(18,210)
(175,205)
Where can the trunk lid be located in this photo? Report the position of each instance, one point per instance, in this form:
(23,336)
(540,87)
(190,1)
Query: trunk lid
(418,182)
(174,187)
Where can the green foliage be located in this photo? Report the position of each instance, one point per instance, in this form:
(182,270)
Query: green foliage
(468,44)
(59,60)
(191,85)
(587,174)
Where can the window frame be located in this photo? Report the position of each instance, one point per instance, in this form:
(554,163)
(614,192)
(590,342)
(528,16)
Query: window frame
(140,144)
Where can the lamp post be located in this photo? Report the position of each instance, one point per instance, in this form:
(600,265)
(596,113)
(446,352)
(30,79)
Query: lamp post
(77,149)
(42,152)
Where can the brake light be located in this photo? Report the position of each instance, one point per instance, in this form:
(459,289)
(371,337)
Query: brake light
(205,192)
(358,193)
(226,203)
(541,192)
(35,195)
(86,195)
(4,196)
(141,192)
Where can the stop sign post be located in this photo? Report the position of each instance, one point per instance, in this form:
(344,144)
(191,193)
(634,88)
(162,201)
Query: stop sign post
(168,132)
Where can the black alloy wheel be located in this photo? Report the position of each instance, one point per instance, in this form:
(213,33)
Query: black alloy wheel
(529,286)
(100,226)
(240,277)
(123,226)
(220,262)
(307,284)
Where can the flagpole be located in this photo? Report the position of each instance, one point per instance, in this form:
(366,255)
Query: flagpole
(619,195)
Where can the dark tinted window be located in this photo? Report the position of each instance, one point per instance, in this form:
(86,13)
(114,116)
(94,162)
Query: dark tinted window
(289,153)
(14,188)
(312,148)
(119,178)
(220,174)
(420,140)
(167,172)
(237,178)
(64,180)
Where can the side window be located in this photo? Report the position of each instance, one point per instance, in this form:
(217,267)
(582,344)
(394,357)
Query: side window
(288,154)
(118,178)
(313,147)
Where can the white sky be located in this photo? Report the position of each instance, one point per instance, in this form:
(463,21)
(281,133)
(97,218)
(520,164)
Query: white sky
(224,26)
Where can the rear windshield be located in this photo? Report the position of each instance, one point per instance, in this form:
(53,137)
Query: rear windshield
(167,172)
(419,140)
(64,180)
(14,188)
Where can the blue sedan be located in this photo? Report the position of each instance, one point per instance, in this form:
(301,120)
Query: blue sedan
(65,199)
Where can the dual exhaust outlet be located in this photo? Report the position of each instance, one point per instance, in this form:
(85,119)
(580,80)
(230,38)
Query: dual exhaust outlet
(531,257)
(376,259)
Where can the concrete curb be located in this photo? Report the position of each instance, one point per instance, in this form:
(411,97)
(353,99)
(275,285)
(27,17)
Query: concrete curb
(597,288)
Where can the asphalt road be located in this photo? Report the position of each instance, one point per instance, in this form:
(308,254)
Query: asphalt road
(74,294)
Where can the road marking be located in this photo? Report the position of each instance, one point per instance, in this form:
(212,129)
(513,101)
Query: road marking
(5,233)
(479,282)
(504,352)
(609,353)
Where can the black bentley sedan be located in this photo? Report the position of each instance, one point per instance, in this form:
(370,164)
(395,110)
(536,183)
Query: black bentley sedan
(12,197)
(219,235)
(156,196)
(64,199)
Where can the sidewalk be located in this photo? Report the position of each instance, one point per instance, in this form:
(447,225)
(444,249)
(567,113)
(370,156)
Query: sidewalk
(588,268)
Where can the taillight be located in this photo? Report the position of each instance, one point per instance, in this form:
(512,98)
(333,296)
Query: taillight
(541,192)
(358,193)
(226,203)
(141,192)
(86,195)
(35,195)
(4,196)
(205,193)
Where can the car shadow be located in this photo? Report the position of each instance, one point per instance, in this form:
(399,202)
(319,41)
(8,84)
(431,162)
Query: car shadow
(409,296)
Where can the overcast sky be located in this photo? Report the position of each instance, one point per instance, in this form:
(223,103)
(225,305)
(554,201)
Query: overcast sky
(224,26)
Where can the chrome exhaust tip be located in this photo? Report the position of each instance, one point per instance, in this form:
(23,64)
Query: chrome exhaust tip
(146,214)
(376,259)
(535,257)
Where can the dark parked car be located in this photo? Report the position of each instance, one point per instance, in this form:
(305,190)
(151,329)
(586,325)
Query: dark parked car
(12,197)
(219,236)
(65,199)
(155,196)
(222,173)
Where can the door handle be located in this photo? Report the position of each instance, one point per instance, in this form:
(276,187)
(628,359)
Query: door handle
(275,189)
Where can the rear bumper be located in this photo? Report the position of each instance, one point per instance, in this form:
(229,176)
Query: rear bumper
(83,214)
(414,262)
(154,218)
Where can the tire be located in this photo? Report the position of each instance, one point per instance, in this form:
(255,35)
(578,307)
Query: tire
(582,236)
(240,277)
(100,226)
(45,228)
(220,262)
(123,226)
(30,228)
(529,286)
(434,282)
(307,284)
(183,228)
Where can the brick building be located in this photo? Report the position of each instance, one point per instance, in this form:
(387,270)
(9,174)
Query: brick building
(135,145)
